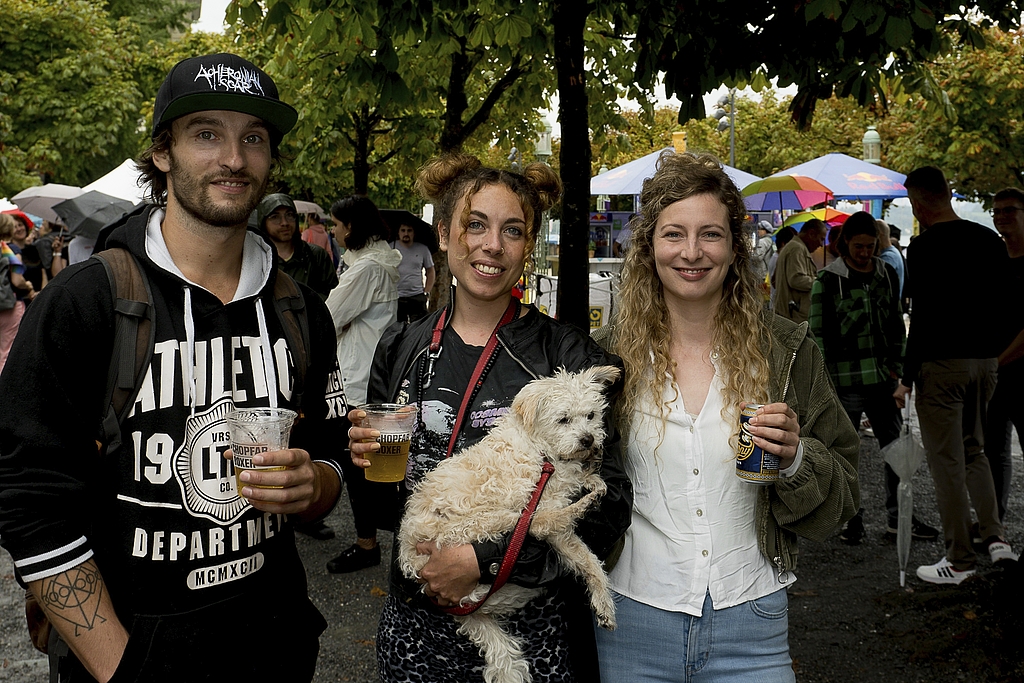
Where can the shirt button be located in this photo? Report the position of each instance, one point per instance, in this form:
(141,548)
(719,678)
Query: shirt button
(700,513)
(691,429)
(494,568)
(704,553)
(696,471)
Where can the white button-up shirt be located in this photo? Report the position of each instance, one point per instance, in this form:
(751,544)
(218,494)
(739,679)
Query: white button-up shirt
(693,518)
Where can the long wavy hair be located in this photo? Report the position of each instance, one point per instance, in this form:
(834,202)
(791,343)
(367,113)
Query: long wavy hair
(642,337)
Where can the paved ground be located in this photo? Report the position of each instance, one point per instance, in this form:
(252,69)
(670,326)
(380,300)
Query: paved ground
(845,609)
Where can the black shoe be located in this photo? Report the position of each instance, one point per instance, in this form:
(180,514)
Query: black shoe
(353,559)
(918,529)
(853,532)
(316,530)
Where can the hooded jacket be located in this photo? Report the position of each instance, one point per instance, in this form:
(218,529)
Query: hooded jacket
(363,305)
(160,515)
(309,264)
(858,324)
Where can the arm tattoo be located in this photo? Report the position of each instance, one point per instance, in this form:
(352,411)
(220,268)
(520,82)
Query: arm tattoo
(75,596)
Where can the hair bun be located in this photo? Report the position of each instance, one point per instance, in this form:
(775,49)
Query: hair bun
(437,174)
(545,181)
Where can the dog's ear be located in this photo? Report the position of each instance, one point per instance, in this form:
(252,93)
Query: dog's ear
(603,374)
(526,404)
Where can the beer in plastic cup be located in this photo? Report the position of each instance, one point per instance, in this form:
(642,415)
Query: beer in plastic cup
(395,422)
(254,431)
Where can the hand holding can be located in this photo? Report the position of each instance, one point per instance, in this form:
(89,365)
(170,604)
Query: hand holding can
(754,465)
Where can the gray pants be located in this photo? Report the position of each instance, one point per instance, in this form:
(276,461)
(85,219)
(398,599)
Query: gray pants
(952,402)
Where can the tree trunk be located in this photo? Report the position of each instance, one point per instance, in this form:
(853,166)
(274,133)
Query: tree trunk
(361,152)
(568,22)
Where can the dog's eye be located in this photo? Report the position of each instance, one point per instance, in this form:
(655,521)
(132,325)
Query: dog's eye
(590,416)
(563,420)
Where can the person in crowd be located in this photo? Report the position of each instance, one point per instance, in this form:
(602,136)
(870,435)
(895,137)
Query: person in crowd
(828,252)
(14,289)
(304,262)
(144,554)
(761,255)
(316,233)
(954,368)
(894,237)
(795,272)
(857,320)
(363,305)
(22,243)
(894,240)
(620,245)
(416,275)
(890,254)
(782,238)
(708,557)
(1005,410)
(488,221)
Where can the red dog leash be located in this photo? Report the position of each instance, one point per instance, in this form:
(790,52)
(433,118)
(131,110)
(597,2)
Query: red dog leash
(515,546)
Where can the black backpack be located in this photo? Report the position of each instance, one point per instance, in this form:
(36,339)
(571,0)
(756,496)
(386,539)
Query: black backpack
(134,341)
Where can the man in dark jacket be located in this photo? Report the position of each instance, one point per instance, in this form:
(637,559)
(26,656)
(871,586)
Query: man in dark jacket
(306,263)
(956,268)
(144,555)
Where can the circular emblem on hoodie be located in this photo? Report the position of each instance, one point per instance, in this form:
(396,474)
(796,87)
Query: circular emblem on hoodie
(206,477)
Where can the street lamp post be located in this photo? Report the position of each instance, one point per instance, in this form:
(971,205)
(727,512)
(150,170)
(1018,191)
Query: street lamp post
(727,120)
(872,142)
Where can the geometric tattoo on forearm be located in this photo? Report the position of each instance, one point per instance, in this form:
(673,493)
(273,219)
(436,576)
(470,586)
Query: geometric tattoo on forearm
(74,596)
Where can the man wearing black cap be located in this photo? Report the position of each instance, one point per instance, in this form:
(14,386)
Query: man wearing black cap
(133,537)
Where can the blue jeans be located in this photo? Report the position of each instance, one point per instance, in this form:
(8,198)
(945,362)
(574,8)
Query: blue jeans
(747,643)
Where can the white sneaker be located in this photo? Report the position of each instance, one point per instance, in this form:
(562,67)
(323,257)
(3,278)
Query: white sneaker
(1001,551)
(942,572)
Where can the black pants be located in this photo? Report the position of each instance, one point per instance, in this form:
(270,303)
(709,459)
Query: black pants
(412,308)
(204,645)
(876,400)
(1005,412)
(374,504)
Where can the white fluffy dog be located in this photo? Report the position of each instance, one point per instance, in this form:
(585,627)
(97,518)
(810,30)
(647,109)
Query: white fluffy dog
(479,494)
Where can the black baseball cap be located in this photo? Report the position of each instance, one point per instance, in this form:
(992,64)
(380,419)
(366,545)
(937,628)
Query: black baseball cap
(221,81)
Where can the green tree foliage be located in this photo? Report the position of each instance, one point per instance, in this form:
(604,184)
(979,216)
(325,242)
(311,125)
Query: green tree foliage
(865,49)
(982,149)
(70,95)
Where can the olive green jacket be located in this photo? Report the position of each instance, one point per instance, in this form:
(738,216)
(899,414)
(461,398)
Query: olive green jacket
(824,492)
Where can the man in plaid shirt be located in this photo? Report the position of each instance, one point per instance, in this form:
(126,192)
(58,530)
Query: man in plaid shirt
(857,320)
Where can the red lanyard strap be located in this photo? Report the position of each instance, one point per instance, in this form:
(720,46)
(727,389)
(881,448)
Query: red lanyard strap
(515,546)
(482,365)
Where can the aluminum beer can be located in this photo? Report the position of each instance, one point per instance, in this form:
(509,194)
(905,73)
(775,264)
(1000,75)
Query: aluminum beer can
(754,465)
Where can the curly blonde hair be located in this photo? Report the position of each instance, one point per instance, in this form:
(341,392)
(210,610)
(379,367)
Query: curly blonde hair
(446,179)
(642,337)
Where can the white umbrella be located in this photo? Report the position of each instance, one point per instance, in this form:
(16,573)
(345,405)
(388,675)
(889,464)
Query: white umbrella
(39,199)
(302,206)
(904,456)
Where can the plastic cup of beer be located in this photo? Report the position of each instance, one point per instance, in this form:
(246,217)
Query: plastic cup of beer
(395,422)
(254,431)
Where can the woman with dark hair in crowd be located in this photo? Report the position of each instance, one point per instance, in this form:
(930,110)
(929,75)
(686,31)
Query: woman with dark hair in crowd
(488,221)
(363,305)
(701,583)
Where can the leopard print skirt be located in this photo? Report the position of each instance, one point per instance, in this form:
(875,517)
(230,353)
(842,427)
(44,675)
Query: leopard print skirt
(417,645)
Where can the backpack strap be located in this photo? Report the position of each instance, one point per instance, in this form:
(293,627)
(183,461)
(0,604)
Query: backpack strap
(134,342)
(291,312)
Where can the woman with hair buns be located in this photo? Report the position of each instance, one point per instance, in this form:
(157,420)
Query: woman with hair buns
(488,221)
(700,585)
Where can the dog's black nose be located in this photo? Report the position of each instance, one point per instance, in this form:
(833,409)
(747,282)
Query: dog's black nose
(587,441)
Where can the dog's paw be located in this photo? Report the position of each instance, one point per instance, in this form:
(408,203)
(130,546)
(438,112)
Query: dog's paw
(606,622)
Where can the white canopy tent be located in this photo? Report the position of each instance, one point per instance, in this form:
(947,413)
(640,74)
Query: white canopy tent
(122,182)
